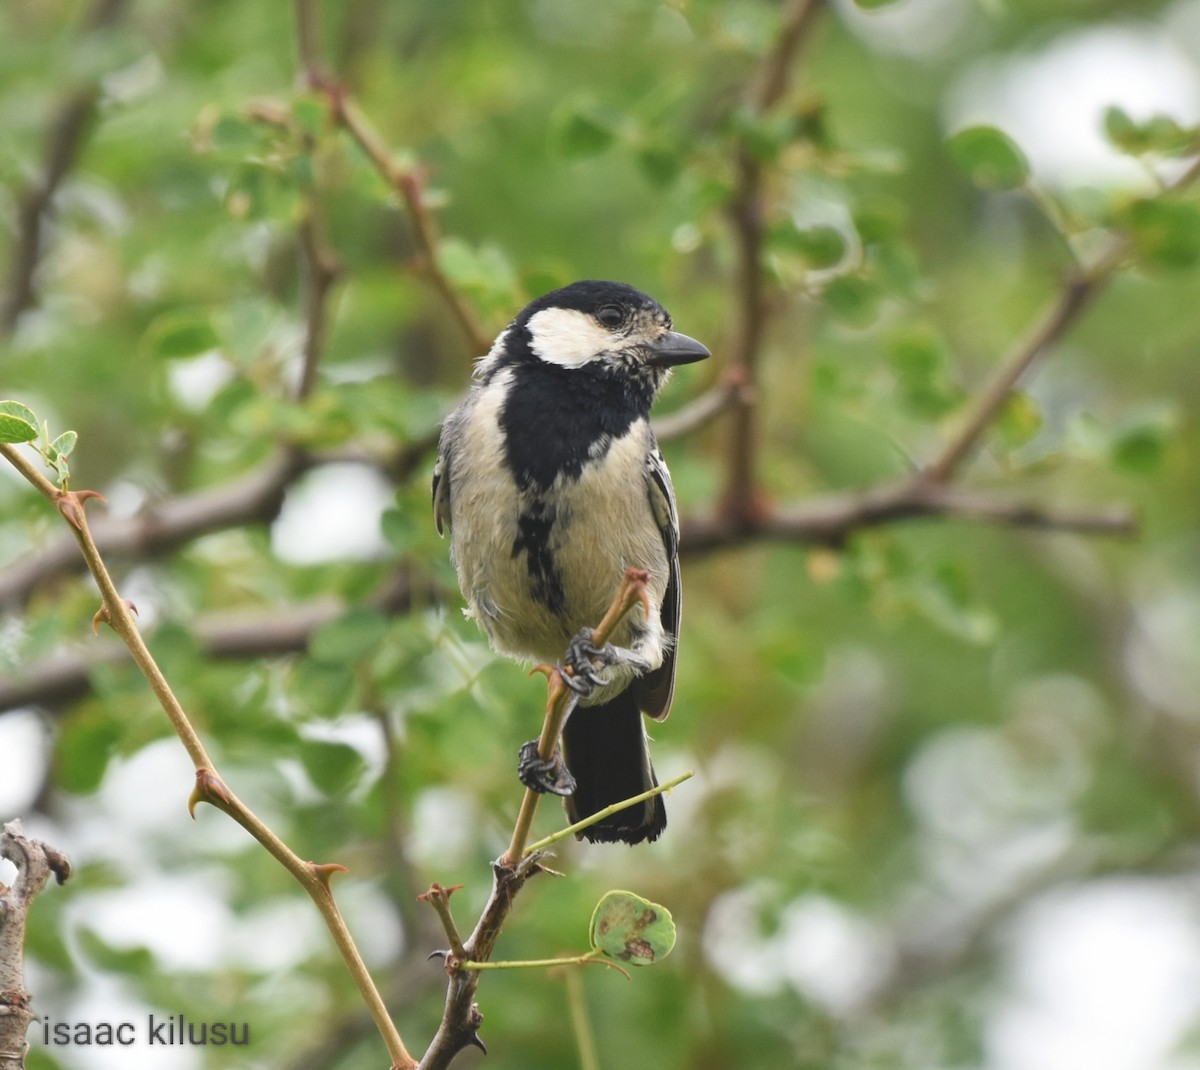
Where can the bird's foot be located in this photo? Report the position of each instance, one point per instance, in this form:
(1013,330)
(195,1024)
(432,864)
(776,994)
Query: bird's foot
(542,776)
(585,660)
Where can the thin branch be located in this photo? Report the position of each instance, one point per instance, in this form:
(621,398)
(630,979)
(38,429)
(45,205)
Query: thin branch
(63,678)
(796,24)
(832,519)
(210,788)
(308,43)
(35,862)
(252,498)
(1079,289)
(322,268)
(461,1017)
(731,390)
(742,500)
(65,138)
(255,497)
(407,182)
(632,592)
(581,1025)
(825,521)
(607,811)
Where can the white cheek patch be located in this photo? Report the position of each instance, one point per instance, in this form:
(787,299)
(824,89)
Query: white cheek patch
(567,337)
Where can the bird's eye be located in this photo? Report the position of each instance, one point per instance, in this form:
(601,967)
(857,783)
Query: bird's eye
(611,316)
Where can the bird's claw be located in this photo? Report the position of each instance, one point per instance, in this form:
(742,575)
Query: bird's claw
(581,658)
(585,659)
(543,776)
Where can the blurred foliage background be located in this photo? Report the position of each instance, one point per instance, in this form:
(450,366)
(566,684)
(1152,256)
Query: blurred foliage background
(946,796)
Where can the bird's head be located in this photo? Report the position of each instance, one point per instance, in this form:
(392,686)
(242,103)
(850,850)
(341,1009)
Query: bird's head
(604,327)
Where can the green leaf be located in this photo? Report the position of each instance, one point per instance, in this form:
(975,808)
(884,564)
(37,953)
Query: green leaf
(83,750)
(132,961)
(1121,130)
(18,423)
(1020,419)
(660,166)
(1164,232)
(989,158)
(234,135)
(320,687)
(64,444)
(820,246)
(485,268)
(1139,446)
(631,929)
(585,134)
(871,5)
(310,114)
(1159,134)
(182,334)
(853,300)
(332,766)
(919,359)
(350,639)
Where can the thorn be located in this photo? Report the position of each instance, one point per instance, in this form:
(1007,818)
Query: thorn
(436,891)
(324,872)
(475,1021)
(70,504)
(440,953)
(547,671)
(639,579)
(210,789)
(102,614)
(58,862)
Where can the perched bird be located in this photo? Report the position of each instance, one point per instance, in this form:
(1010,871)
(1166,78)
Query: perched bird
(551,483)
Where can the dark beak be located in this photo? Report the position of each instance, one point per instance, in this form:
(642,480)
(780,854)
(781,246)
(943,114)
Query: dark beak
(674,348)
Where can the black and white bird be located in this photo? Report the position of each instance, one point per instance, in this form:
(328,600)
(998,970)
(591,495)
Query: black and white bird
(551,483)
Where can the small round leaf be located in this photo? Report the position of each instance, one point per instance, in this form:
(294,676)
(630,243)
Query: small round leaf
(1166,233)
(18,423)
(989,158)
(631,929)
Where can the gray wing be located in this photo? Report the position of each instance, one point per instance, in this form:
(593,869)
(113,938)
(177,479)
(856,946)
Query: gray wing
(441,486)
(654,690)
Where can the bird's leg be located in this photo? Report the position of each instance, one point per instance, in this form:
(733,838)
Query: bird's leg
(544,776)
(585,659)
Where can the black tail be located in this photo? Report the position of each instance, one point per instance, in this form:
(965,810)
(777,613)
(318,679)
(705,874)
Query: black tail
(605,749)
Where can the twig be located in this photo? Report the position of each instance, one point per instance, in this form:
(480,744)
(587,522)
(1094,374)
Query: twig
(581,1025)
(461,1017)
(600,815)
(313,878)
(252,498)
(407,182)
(825,521)
(64,142)
(35,862)
(730,391)
(631,593)
(1079,289)
(323,268)
(742,500)
(832,519)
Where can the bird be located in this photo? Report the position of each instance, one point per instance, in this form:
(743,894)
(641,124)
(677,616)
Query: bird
(550,482)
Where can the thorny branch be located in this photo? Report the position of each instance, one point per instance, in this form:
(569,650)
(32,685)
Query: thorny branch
(461,1017)
(210,788)
(35,862)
